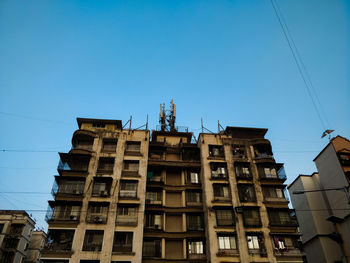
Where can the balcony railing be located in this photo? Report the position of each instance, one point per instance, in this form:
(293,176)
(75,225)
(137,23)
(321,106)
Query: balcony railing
(126,220)
(77,167)
(96,218)
(128,194)
(83,146)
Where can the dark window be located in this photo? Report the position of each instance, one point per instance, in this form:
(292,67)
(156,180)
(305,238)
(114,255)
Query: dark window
(102,186)
(126,215)
(262,150)
(238,151)
(70,187)
(194,197)
(195,222)
(222,192)
(122,242)
(11,242)
(153,221)
(7,257)
(154,197)
(1,228)
(59,240)
(131,166)
(216,151)
(109,145)
(16,229)
(128,189)
(105,165)
(224,217)
(246,193)
(98,125)
(279,217)
(93,240)
(272,192)
(286,243)
(243,171)
(152,248)
(218,170)
(132,146)
(251,217)
(65,213)
(97,213)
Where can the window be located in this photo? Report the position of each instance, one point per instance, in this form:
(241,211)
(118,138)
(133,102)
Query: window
(98,125)
(97,213)
(152,248)
(131,166)
(238,151)
(216,151)
(192,177)
(251,217)
(7,257)
(194,197)
(262,150)
(93,240)
(255,242)
(224,217)
(246,193)
(195,247)
(195,222)
(243,171)
(71,187)
(105,165)
(11,242)
(102,186)
(126,215)
(154,197)
(59,240)
(279,217)
(270,172)
(65,212)
(222,192)
(153,221)
(218,170)
(132,146)
(1,228)
(122,242)
(128,189)
(16,229)
(227,242)
(272,192)
(109,145)
(284,243)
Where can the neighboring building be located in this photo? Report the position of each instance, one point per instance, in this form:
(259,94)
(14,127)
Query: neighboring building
(36,245)
(324,216)
(16,229)
(128,196)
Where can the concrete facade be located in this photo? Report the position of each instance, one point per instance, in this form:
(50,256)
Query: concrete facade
(324,216)
(131,196)
(16,229)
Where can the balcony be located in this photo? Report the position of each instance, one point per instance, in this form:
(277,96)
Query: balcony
(152,248)
(128,194)
(125,220)
(82,140)
(263,151)
(68,188)
(218,171)
(273,172)
(74,163)
(62,213)
(105,165)
(154,177)
(287,246)
(282,218)
(58,242)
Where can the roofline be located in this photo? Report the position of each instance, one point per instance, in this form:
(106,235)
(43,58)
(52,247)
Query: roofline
(107,121)
(300,175)
(259,130)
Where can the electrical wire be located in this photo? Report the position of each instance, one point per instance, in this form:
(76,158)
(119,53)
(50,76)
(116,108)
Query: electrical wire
(33,118)
(298,61)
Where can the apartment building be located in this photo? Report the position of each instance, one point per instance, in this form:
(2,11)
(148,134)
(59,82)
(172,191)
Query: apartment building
(126,195)
(16,229)
(322,203)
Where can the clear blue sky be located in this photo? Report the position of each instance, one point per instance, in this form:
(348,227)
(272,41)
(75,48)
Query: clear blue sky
(220,60)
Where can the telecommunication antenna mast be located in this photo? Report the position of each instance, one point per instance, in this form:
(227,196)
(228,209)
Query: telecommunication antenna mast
(167,118)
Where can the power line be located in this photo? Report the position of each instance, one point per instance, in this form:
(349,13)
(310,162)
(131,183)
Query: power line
(297,59)
(33,118)
(29,151)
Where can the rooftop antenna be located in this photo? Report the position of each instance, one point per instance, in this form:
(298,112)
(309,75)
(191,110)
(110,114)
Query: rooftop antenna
(327,132)
(167,118)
